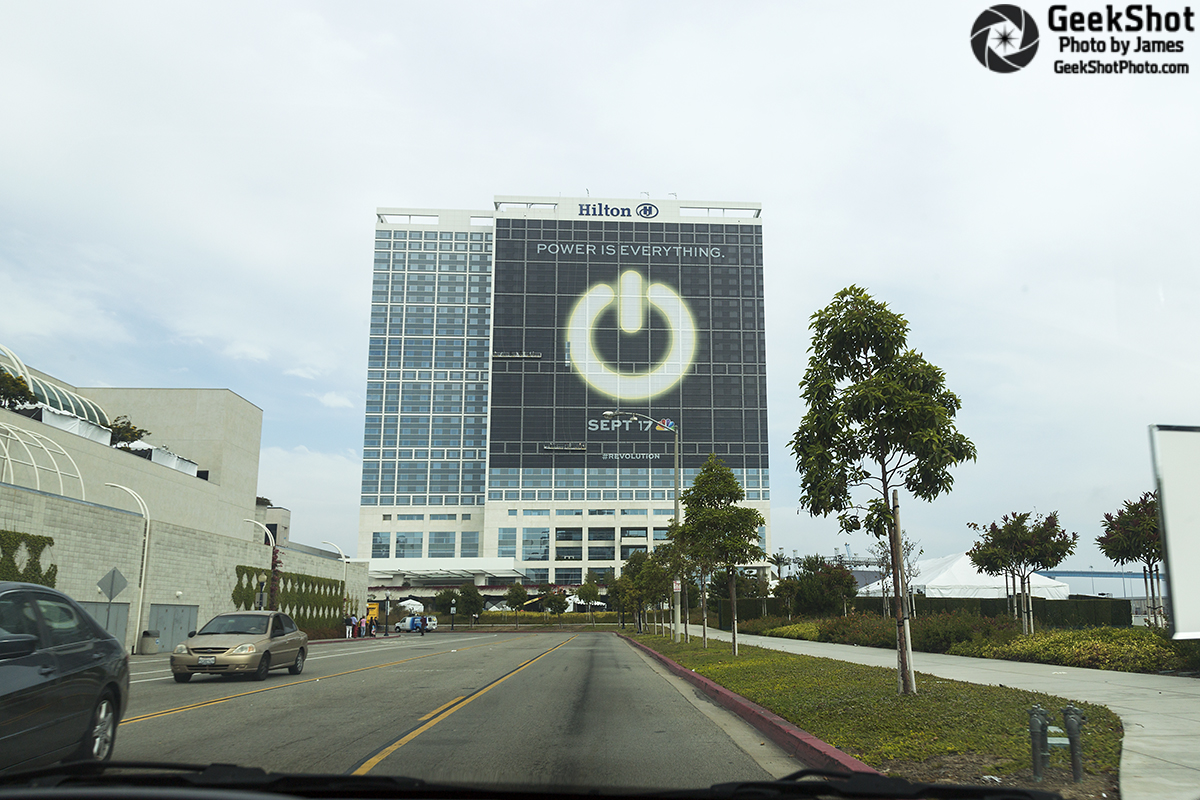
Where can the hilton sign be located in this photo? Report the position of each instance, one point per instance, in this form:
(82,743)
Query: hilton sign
(645,210)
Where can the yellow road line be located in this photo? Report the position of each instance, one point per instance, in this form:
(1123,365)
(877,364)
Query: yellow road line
(226,698)
(440,709)
(375,760)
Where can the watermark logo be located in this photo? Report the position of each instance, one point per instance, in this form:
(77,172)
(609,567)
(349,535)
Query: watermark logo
(647,211)
(1004,38)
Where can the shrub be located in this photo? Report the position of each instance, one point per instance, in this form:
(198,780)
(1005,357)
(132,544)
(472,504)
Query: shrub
(937,633)
(867,630)
(761,625)
(1122,649)
(797,630)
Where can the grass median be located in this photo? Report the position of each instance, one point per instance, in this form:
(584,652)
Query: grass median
(856,708)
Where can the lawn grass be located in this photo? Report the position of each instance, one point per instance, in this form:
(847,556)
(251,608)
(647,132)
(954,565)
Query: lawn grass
(856,708)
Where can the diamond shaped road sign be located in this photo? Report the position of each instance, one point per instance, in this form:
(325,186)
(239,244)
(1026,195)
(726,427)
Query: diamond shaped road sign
(113,583)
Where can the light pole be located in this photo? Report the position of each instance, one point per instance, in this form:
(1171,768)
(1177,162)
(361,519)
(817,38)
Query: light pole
(387,612)
(145,553)
(274,560)
(666,425)
(345,596)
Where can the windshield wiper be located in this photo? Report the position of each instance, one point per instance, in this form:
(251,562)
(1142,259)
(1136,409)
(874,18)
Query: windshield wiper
(868,785)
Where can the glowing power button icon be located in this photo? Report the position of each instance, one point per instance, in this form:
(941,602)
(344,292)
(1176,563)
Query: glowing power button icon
(634,300)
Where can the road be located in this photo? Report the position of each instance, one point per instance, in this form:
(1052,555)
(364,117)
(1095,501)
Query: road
(567,709)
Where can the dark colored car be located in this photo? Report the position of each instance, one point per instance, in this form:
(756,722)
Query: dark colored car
(64,680)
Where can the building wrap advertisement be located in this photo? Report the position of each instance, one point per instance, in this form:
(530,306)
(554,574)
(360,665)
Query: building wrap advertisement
(609,312)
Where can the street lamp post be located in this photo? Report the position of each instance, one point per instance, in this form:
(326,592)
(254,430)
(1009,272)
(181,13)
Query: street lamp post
(674,428)
(145,553)
(387,612)
(345,596)
(274,559)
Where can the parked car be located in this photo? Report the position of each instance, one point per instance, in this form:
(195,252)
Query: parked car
(414,624)
(64,680)
(241,643)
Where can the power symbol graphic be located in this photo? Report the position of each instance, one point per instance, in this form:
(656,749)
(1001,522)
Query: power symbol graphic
(634,300)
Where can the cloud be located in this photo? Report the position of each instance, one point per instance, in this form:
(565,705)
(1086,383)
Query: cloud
(333,400)
(244,351)
(320,489)
(307,373)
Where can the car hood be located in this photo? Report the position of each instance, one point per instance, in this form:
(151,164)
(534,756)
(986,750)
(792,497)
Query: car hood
(228,640)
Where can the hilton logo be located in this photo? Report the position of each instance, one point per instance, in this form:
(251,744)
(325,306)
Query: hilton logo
(645,210)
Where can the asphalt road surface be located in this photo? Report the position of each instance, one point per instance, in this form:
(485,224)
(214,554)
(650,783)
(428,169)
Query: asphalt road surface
(561,709)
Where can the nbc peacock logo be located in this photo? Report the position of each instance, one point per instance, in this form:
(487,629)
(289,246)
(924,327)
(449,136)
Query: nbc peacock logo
(1004,38)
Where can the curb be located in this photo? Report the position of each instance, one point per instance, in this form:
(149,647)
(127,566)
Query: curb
(802,744)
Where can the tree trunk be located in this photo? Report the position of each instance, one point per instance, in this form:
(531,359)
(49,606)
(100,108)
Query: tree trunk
(684,598)
(905,676)
(733,606)
(704,609)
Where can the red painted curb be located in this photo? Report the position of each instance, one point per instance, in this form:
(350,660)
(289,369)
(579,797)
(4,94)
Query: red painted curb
(802,744)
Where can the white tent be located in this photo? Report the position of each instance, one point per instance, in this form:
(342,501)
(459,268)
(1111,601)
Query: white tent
(956,576)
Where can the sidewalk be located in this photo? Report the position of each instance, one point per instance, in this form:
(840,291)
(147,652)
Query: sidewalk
(1160,755)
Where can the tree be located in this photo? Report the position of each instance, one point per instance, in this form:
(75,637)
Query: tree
(556,604)
(125,432)
(879,417)
(14,391)
(516,596)
(880,553)
(445,600)
(779,561)
(1131,536)
(724,533)
(470,601)
(588,594)
(1022,548)
(630,588)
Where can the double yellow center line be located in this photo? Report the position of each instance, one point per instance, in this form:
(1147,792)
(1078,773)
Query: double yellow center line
(227,698)
(436,716)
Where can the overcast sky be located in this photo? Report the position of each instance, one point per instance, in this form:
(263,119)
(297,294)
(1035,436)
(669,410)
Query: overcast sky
(187,197)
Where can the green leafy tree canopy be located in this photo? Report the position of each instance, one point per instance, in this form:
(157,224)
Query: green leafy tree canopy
(879,416)
(124,431)
(14,391)
(1131,535)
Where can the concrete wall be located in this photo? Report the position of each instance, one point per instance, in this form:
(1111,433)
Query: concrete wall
(171,495)
(187,567)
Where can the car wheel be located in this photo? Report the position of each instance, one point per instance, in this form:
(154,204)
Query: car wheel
(264,666)
(298,667)
(183,677)
(97,743)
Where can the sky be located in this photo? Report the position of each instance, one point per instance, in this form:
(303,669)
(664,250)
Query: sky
(187,199)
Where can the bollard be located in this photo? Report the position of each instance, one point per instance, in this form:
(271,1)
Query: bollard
(1039,722)
(1073,720)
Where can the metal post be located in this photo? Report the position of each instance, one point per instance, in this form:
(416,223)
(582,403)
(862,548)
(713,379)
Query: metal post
(1073,720)
(137,626)
(678,521)
(1039,724)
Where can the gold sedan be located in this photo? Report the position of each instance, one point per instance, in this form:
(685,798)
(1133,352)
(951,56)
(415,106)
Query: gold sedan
(241,643)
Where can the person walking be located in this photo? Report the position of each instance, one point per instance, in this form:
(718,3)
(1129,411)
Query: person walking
(422,626)
(349,625)
(353,626)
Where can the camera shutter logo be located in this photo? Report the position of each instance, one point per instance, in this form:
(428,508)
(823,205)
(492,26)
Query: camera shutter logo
(647,211)
(1004,38)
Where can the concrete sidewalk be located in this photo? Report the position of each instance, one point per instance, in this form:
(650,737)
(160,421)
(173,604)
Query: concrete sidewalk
(1160,755)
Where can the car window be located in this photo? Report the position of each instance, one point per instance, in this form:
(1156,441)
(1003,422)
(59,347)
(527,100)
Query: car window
(63,622)
(288,625)
(236,623)
(16,615)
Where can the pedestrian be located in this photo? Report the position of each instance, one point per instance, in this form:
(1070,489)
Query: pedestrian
(362,628)
(349,625)
(422,626)
(373,627)
(353,625)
